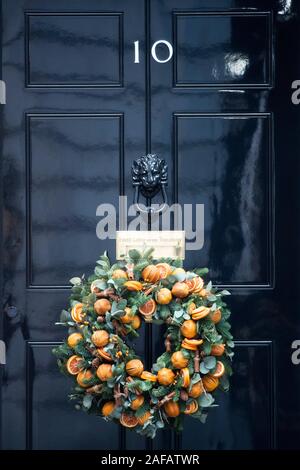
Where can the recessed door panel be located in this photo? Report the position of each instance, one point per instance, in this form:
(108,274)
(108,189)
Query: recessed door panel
(233,427)
(222,49)
(67,167)
(224,162)
(74,49)
(47,410)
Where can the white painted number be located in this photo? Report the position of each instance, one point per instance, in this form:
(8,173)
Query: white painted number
(153,51)
(154,55)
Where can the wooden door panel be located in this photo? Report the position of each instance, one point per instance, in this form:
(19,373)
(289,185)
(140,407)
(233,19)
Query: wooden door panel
(222,48)
(67,158)
(91,42)
(50,423)
(233,157)
(245,417)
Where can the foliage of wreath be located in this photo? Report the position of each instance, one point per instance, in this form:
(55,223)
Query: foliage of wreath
(107,382)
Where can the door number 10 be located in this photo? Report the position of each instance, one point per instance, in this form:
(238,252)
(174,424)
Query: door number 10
(153,51)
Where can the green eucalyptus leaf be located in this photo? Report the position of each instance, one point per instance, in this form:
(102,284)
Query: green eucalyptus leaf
(100,272)
(203,418)
(201,271)
(195,378)
(122,304)
(210,362)
(224,383)
(209,286)
(207,347)
(211,298)
(65,316)
(179,276)
(160,424)
(140,266)
(105,264)
(164,312)
(178,314)
(148,252)
(205,400)
(100,283)
(135,255)
(87,401)
(203,369)
(190,275)
(145,386)
(75,281)
(225,292)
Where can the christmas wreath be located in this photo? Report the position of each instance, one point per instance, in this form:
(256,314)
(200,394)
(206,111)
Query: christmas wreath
(105,312)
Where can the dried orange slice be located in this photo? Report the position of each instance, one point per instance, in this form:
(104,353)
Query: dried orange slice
(195,284)
(148,308)
(186,377)
(129,421)
(190,284)
(105,355)
(164,270)
(142,419)
(200,312)
(198,284)
(133,285)
(195,341)
(77,313)
(191,344)
(188,346)
(191,407)
(204,293)
(191,307)
(74,365)
(148,376)
(219,370)
(151,274)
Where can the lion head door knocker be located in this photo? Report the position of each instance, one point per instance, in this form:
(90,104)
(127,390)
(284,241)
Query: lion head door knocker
(149,177)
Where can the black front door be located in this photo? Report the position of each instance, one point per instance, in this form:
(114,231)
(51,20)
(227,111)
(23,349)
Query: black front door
(83,101)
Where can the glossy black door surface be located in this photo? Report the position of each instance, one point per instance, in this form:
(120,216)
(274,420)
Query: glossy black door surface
(78,112)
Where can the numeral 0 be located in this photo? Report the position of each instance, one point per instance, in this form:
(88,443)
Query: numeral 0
(153,51)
